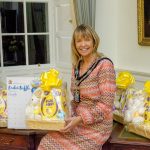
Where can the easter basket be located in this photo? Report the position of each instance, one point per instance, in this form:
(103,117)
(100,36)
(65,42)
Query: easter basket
(118,117)
(46,125)
(140,129)
(3,108)
(123,82)
(48,106)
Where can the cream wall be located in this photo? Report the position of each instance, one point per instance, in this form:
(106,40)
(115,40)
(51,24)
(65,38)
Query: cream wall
(116,23)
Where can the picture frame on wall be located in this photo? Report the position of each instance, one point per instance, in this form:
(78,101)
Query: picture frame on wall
(143,12)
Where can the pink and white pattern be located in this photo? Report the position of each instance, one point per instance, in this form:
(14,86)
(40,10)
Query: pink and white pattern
(97,94)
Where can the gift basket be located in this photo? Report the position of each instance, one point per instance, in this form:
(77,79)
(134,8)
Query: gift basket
(124,81)
(135,106)
(47,108)
(141,119)
(3,108)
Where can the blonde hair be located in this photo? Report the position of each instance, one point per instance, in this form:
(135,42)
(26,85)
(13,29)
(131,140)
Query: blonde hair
(84,31)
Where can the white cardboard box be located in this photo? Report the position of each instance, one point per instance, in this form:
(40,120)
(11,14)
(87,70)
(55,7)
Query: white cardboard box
(18,95)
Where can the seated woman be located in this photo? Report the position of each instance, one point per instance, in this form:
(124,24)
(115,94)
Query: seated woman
(93,89)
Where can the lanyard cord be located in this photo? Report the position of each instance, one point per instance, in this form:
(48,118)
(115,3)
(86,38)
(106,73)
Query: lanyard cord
(87,73)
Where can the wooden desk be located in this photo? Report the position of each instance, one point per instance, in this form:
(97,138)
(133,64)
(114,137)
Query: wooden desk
(11,139)
(123,140)
(16,139)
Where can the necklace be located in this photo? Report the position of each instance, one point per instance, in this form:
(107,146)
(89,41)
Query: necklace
(79,79)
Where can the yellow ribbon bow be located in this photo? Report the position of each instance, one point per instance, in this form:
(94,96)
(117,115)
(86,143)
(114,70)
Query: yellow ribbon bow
(147,87)
(124,80)
(50,80)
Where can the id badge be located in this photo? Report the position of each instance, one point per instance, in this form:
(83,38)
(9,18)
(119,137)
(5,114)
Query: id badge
(77,96)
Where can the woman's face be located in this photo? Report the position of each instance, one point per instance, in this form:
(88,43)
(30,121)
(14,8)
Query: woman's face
(84,45)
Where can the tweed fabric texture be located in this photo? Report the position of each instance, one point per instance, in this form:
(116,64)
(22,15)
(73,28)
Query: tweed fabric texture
(97,94)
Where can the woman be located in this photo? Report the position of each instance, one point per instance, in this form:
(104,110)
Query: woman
(93,88)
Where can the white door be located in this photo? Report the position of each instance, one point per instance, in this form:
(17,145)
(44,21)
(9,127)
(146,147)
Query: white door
(63,33)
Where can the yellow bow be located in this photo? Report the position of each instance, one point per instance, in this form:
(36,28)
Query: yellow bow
(124,80)
(147,87)
(50,79)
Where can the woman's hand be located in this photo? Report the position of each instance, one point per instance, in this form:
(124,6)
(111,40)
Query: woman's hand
(71,123)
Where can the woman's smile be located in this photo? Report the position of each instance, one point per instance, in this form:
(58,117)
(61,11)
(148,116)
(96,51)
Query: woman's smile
(84,46)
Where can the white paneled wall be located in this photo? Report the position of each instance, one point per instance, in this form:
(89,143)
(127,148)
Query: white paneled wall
(63,33)
(116,23)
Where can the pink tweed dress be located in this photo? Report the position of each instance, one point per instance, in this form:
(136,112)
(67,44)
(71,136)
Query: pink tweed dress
(97,94)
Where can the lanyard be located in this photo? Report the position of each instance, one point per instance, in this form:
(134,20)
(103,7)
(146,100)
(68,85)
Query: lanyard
(83,77)
(87,73)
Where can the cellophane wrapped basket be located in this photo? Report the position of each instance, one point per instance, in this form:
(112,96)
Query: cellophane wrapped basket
(141,126)
(3,108)
(48,107)
(139,129)
(124,81)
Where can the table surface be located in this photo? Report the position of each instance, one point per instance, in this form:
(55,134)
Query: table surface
(121,136)
(22,131)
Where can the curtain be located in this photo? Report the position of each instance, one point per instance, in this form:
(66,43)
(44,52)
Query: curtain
(84,11)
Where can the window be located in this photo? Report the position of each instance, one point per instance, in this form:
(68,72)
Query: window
(24,33)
